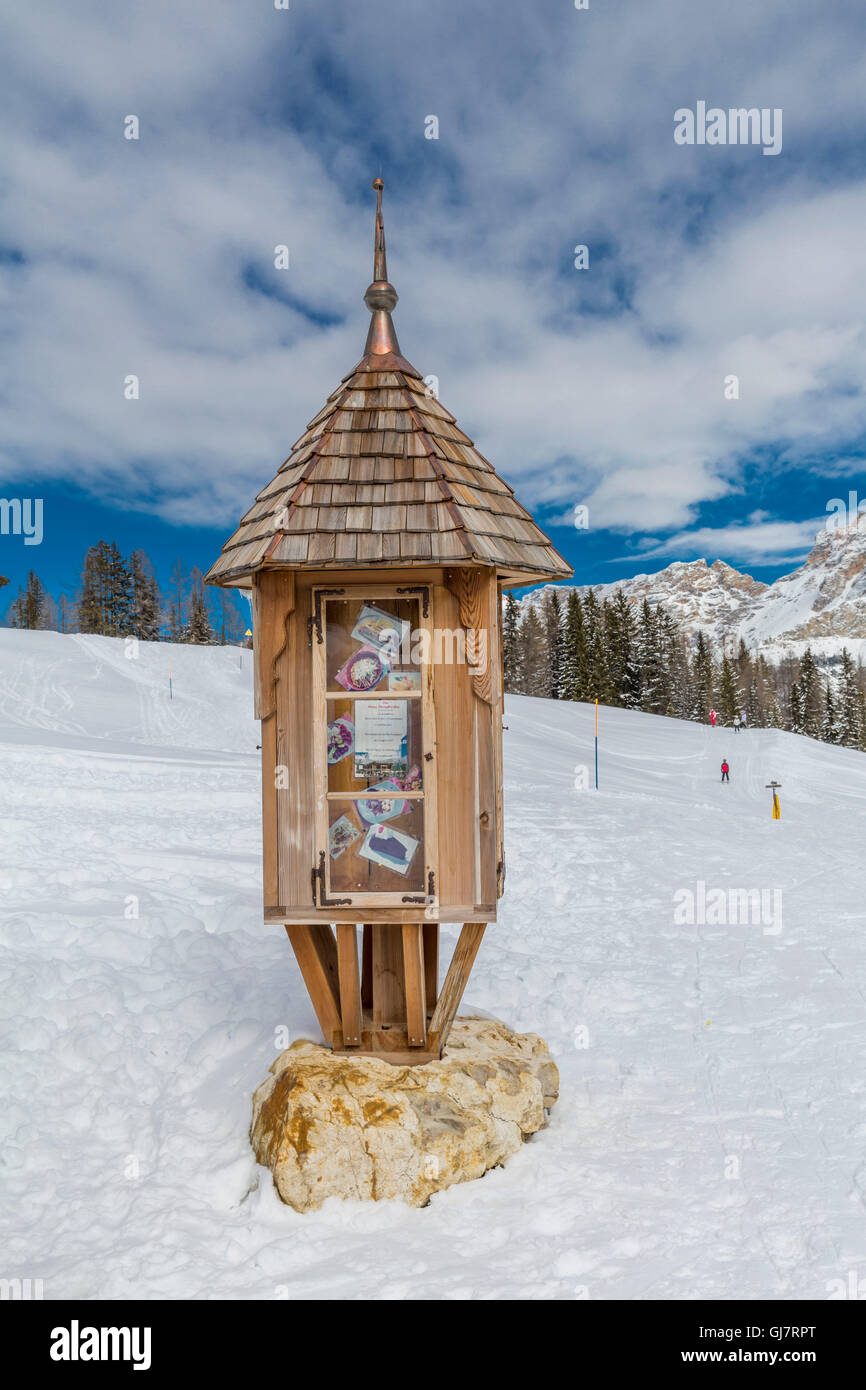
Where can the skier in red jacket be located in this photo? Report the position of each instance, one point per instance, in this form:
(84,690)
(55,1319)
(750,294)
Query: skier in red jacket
(725,770)
(713,717)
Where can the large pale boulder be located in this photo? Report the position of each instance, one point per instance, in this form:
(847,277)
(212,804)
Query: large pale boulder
(332,1125)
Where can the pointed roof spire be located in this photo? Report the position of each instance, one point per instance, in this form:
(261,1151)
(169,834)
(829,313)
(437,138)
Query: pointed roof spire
(380,296)
(402,485)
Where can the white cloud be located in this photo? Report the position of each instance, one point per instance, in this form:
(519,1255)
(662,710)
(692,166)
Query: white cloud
(761,543)
(552,132)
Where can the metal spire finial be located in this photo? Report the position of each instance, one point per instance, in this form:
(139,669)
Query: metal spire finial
(381,296)
(380,267)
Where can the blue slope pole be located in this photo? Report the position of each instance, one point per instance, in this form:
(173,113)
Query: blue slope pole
(596,745)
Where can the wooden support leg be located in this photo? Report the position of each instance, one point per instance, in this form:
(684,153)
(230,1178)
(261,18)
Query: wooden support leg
(350,983)
(431,963)
(413,974)
(455,982)
(388,995)
(367,967)
(316,953)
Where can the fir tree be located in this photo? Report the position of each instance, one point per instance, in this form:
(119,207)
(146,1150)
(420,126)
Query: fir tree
(533,654)
(51,619)
(621,632)
(90,599)
(197,627)
(795,709)
(653,692)
(30,608)
(756,700)
(702,680)
(232,624)
(105,601)
(861,715)
(811,704)
(774,714)
(176,622)
(591,616)
(848,713)
(730,695)
(575,655)
(830,728)
(676,666)
(146,603)
(511,645)
(598,682)
(68,615)
(551,611)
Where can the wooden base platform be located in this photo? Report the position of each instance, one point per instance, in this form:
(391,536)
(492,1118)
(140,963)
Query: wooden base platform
(387,1003)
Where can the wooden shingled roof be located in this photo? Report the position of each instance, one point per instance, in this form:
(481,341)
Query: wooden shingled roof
(383,476)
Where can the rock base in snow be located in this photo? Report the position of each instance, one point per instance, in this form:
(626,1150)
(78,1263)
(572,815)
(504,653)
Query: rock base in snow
(332,1125)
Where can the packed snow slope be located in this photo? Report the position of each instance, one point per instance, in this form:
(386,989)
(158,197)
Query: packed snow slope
(710,1139)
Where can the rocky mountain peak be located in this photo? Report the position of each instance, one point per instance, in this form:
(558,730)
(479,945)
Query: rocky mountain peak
(822,602)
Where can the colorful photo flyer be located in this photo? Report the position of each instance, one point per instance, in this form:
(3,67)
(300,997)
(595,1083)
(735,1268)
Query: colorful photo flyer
(383,630)
(388,847)
(375,809)
(364,669)
(341,739)
(404,680)
(342,834)
(381,736)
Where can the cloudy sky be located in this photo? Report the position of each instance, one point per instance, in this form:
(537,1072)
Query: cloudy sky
(602,387)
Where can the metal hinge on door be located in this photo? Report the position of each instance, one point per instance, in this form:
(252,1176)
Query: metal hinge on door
(424,593)
(317,877)
(431,891)
(314,624)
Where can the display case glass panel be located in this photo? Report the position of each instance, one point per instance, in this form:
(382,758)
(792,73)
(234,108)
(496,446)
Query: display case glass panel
(371,741)
(375,845)
(369,645)
(371,749)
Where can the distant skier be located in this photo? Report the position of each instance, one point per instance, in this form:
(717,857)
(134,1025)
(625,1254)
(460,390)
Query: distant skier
(725,771)
(713,717)
(736,723)
(743,718)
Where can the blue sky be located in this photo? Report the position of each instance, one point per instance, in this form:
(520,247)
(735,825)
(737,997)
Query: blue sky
(601,387)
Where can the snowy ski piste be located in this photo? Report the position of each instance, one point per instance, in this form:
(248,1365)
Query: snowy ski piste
(710,1137)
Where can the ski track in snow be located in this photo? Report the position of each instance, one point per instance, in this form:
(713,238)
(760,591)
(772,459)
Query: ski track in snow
(138,1041)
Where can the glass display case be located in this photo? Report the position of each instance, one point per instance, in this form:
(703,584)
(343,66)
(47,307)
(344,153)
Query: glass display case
(373,752)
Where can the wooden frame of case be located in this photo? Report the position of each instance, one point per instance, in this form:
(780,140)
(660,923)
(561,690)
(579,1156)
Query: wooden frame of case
(468,827)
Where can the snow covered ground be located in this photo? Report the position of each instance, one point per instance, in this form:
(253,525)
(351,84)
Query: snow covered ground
(710,1138)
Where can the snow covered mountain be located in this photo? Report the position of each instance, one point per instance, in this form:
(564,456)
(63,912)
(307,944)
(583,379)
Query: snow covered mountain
(709,1137)
(822,603)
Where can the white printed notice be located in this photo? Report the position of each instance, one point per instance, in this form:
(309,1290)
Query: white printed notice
(380,737)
